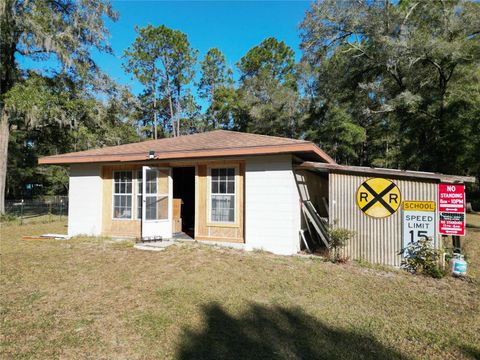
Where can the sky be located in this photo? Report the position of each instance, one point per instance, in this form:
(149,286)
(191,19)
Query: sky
(232,26)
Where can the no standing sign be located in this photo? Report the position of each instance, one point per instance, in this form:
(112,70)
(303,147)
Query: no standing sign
(451,208)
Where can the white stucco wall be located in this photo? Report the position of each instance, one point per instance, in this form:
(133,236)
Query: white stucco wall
(272,207)
(85,200)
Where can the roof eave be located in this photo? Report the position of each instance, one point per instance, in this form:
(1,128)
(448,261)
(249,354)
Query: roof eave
(392,173)
(260,150)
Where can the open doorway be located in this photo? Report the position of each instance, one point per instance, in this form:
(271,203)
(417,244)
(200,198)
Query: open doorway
(184,189)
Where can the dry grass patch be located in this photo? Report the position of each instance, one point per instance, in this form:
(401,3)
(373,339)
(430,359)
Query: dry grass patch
(94,298)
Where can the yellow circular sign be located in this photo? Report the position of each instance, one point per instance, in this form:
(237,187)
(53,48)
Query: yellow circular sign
(378,197)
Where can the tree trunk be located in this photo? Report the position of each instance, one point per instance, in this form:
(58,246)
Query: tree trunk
(214,121)
(155,113)
(4,136)
(178,114)
(169,95)
(171,112)
(155,104)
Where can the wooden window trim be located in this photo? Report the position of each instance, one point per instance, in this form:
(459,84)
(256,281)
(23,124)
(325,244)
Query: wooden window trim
(236,222)
(113,196)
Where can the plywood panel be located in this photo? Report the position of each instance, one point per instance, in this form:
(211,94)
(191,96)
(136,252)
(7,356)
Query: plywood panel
(117,227)
(203,230)
(223,232)
(229,240)
(201,201)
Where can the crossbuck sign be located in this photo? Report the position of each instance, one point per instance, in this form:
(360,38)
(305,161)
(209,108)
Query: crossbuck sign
(378,197)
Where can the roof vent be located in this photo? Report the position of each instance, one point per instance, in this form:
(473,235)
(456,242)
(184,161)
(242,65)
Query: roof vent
(151,154)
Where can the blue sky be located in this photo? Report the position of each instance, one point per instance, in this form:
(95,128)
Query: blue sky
(232,26)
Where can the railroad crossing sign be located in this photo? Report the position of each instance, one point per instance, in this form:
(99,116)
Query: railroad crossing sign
(378,197)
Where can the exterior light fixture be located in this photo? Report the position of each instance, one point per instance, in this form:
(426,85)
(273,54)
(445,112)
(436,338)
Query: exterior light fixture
(151,154)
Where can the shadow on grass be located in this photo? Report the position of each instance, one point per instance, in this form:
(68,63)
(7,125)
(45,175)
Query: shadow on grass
(471,352)
(275,333)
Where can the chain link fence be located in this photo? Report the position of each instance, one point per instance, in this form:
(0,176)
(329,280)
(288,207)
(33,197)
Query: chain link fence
(25,209)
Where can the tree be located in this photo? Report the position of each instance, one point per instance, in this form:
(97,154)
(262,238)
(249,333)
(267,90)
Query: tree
(161,57)
(397,68)
(268,98)
(74,120)
(271,108)
(31,29)
(271,57)
(337,133)
(214,78)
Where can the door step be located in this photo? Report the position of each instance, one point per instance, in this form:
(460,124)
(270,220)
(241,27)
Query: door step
(149,239)
(153,246)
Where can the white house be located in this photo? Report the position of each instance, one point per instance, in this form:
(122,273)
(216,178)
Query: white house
(254,191)
(234,187)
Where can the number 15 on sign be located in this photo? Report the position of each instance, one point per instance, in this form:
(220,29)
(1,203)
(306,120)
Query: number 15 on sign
(418,221)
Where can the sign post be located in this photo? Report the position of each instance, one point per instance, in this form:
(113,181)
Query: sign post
(418,221)
(451,207)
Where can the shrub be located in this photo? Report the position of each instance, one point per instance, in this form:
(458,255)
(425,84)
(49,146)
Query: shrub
(338,239)
(422,258)
(7,217)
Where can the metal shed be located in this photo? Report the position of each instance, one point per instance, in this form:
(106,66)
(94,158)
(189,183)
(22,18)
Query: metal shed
(376,240)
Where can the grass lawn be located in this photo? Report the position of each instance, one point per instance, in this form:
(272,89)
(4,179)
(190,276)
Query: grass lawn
(93,298)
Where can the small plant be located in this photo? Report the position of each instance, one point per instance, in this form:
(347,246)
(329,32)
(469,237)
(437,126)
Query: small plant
(7,217)
(338,239)
(422,258)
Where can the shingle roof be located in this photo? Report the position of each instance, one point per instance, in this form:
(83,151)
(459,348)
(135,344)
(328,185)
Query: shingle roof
(216,143)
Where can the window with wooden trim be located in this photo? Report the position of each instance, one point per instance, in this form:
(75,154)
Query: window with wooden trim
(222,195)
(122,194)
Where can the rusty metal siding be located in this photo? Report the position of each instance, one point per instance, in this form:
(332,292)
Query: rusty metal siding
(375,240)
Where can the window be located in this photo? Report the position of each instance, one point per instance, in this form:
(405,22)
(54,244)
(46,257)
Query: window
(139,194)
(222,195)
(122,195)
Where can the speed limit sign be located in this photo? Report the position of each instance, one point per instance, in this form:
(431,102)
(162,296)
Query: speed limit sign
(418,221)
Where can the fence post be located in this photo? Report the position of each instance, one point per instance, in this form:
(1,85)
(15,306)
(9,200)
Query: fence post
(61,208)
(21,213)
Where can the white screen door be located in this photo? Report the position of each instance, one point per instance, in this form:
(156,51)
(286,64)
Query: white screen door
(157,202)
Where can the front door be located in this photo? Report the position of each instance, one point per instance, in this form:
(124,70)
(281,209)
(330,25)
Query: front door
(157,202)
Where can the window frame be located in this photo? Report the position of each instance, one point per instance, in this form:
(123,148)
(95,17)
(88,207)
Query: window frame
(137,194)
(131,196)
(210,221)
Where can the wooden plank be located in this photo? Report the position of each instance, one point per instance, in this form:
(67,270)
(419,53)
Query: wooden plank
(36,238)
(302,235)
(217,231)
(316,221)
(208,238)
(111,227)
(201,203)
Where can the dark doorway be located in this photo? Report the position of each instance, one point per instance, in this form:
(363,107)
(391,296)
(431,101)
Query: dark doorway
(184,188)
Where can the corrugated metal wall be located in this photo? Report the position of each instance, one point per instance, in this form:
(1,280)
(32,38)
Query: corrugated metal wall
(376,240)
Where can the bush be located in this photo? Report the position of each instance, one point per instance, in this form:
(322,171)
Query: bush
(338,239)
(422,258)
(7,217)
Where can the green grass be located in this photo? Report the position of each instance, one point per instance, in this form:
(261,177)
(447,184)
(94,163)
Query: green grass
(95,298)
